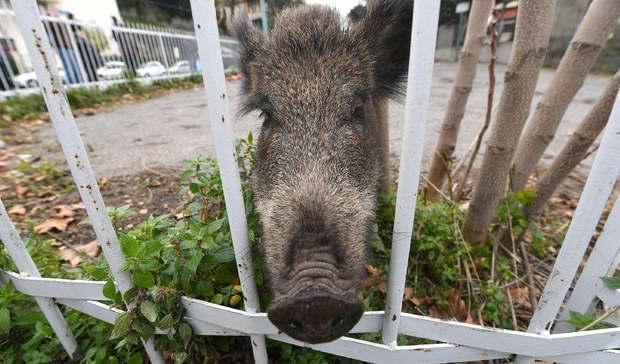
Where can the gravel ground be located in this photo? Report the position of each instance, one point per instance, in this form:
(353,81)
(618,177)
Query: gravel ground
(159,133)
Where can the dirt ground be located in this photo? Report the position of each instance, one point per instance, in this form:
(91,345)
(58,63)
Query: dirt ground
(160,132)
(136,146)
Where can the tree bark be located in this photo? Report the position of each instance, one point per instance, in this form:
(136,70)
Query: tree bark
(465,74)
(575,149)
(530,46)
(586,45)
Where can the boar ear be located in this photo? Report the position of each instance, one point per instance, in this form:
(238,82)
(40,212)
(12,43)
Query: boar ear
(251,40)
(386,31)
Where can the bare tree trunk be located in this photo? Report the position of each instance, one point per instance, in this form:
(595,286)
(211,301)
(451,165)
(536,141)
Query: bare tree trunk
(586,45)
(529,49)
(465,74)
(575,149)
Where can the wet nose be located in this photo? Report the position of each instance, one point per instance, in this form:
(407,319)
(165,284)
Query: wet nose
(316,318)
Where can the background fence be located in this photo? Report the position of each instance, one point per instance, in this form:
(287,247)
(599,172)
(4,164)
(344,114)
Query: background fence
(459,342)
(90,55)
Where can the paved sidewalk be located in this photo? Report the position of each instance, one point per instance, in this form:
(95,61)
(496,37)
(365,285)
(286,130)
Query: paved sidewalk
(161,132)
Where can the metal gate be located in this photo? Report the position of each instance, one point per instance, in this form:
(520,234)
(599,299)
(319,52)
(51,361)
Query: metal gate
(460,342)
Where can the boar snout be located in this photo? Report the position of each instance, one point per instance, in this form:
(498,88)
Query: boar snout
(316,317)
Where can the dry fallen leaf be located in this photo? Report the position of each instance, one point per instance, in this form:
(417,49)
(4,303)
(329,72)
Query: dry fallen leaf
(74,256)
(53,223)
(18,210)
(71,256)
(21,191)
(374,271)
(91,249)
(63,211)
(103,183)
(409,296)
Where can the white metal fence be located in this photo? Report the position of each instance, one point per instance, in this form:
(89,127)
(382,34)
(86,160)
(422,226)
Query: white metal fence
(459,342)
(90,55)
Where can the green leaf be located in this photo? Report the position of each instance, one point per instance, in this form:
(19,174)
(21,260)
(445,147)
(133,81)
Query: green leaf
(579,320)
(193,260)
(186,333)
(377,243)
(194,187)
(217,299)
(143,279)
(122,324)
(224,275)
(129,295)
(150,265)
(215,226)
(135,358)
(611,282)
(224,254)
(166,322)
(144,329)
(109,289)
(180,357)
(187,244)
(152,247)
(102,353)
(149,310)
(205,289)
(130,245)
(5,320)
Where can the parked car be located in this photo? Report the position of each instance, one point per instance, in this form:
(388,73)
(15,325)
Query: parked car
(180,67)
(27,80)
(150,69)
(112,70)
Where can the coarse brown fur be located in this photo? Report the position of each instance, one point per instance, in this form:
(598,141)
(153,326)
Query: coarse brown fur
(317,174)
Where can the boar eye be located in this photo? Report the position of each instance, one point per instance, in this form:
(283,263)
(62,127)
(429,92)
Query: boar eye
(267,118)
(358,113)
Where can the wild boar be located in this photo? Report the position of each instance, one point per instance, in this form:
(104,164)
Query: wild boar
(318,170)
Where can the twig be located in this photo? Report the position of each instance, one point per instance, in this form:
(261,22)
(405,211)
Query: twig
(433,186)
(592,150)
(530,276)
(487,119)
(512,309)
(600,319)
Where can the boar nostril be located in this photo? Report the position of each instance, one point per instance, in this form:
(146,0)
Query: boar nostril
(337,322)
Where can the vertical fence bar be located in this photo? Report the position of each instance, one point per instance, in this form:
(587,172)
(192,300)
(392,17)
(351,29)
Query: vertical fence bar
(57,104)
(599,185)
(25,265)
(219,113)
(163,51)
(423,39)
(77,58)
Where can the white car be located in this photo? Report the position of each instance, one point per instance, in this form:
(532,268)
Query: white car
(112,70)
(28,80)
(150,69)
(180,67)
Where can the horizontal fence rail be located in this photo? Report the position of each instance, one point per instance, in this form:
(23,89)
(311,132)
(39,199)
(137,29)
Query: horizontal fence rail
(60,60)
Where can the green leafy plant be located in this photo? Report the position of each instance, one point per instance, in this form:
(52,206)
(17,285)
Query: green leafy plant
(191,254)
